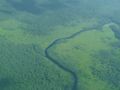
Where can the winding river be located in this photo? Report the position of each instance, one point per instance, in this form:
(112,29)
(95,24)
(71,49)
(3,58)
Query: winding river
(70,71)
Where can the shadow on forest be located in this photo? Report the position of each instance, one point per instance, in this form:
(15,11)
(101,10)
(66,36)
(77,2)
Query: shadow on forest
(32,7)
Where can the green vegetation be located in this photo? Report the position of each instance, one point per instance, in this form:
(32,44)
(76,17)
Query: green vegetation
(95,59)
(22,67)
(59,45)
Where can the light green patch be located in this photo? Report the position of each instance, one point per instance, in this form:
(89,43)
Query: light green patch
(19,36)
(77,54)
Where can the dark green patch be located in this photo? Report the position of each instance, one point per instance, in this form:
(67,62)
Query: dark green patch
(32,7)
(109,69)
(116,31)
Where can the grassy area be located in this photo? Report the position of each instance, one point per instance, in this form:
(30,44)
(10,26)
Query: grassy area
(93,57)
